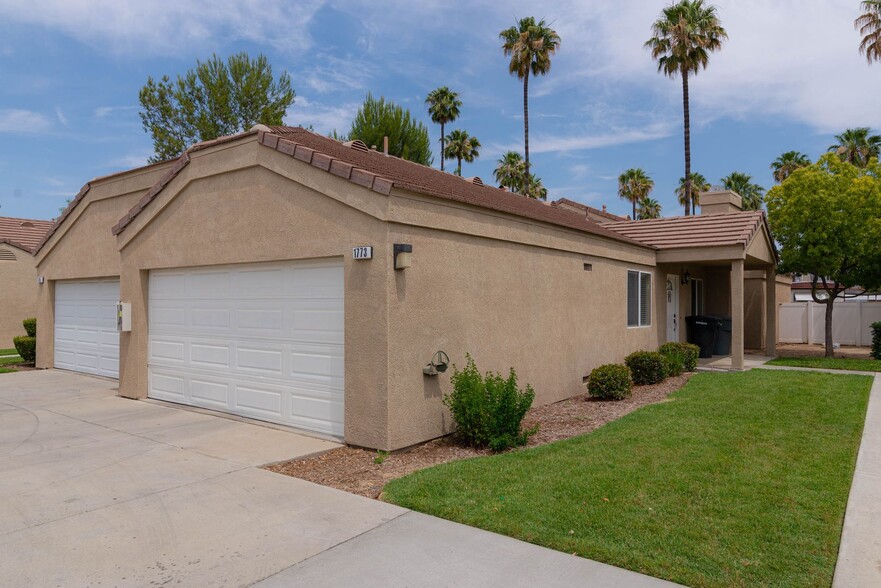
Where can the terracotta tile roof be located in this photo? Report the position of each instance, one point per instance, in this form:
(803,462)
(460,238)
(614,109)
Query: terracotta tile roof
(24,233)
(678,232)
(589,209)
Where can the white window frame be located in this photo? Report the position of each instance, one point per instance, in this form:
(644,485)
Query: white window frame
(699,307)
(639,291)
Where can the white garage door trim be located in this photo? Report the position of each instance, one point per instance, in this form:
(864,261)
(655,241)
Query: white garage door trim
(86,339)
(264,341)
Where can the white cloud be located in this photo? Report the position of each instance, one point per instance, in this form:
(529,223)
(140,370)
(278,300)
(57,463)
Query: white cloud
(106,111)
(166,27)
(549,143)
(60,114)
(324,118)
(14,120)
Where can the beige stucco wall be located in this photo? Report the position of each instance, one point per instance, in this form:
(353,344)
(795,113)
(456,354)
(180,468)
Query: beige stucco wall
(84,247)
(754,312)
(18,293)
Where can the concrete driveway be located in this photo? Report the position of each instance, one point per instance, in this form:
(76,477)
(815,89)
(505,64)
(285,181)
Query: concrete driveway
(100,490)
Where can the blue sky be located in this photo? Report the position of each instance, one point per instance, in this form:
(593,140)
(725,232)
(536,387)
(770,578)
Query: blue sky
(790,77)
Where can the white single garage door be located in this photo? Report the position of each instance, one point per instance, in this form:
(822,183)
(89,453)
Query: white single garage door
(260,340)
(86,339)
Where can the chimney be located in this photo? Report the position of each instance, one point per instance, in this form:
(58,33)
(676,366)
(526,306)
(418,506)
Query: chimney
(604,208)
(720,202)
(385,145)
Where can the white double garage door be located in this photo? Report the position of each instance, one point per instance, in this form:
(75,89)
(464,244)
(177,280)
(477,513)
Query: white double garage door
(264,341)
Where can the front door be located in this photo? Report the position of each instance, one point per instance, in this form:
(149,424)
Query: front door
(673,308)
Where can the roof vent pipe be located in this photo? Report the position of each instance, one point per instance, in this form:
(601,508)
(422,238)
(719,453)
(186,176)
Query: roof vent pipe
(385,145)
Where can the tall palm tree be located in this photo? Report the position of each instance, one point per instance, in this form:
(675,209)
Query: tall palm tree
(461,145)
(698,184)
(535,189)
(634,185)
(682,39)
(743,184)
(857,146)
(787,163)
(648,208)
(443,107)
(530,45)
(869,26)
(509,171)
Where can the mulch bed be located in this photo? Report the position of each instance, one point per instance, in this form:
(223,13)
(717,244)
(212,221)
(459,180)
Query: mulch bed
(804,350)
(354,470)
(19,367)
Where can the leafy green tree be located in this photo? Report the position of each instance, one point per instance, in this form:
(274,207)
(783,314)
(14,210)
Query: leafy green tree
(407,137)
(869,26)
(682,39)
(510,170)
(698,184)
(787,163)
(443,107)
(530,45)
(214,99)
(461,145)
(825,217)
(648,208)
(743,184)
(633,186)
(857,146)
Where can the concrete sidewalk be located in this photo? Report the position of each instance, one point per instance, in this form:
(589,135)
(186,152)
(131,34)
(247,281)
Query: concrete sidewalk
(100,490)
(859,556)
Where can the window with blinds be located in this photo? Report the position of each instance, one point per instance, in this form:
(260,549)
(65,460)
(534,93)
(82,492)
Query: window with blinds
(697,297)
(639,299)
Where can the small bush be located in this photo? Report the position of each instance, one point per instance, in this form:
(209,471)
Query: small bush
(646,367)
(488,410)
(876,340)
(675,363)
(610,382)
(688,351)
(26,347)
(30,326)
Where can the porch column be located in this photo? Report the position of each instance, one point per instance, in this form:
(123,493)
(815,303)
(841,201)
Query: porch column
(770,311)
(737,314)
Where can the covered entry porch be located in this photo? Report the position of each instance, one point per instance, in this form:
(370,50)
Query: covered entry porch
(721,263)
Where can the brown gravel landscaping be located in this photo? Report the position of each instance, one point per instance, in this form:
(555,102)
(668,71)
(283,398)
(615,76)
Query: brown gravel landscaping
(354,470)
(804,350)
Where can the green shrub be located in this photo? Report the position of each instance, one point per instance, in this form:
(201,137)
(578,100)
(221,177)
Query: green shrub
(30,326)
(26,347)
(646,367)
(610,382)
(488,410)
(876,340)
(688,351)
(675,363)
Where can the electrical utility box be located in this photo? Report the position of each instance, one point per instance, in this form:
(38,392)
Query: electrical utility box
(124,317)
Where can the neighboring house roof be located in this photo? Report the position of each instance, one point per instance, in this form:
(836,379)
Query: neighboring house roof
(716,230)
(589,209)
(379,172)
(23,233)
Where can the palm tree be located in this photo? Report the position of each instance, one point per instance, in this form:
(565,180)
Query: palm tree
(743,184)
(857,146)
(509,171)
(648,208)
(682,39)
(443,107)
(698,184)
(787,163)
(461,145)
(535,189)
(530,45)
(634,185)
(869,26)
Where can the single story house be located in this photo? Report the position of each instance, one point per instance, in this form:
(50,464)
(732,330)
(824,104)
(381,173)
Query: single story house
(18,274)
(285,276)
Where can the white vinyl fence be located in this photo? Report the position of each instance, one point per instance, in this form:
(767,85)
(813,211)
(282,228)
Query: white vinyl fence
(804,322)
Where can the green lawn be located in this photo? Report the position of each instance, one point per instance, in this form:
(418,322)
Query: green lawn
(10,360)
(12,351)
(740,480)
(830,363)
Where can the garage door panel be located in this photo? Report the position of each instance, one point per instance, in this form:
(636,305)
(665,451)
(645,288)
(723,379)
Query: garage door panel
(85,327)
(262,340)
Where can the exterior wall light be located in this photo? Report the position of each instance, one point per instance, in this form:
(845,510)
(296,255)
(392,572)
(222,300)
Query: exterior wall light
(437,365)
(40,279)
(403,253)
(686,278)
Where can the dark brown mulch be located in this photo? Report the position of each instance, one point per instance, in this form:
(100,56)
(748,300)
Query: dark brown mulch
(354,470)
